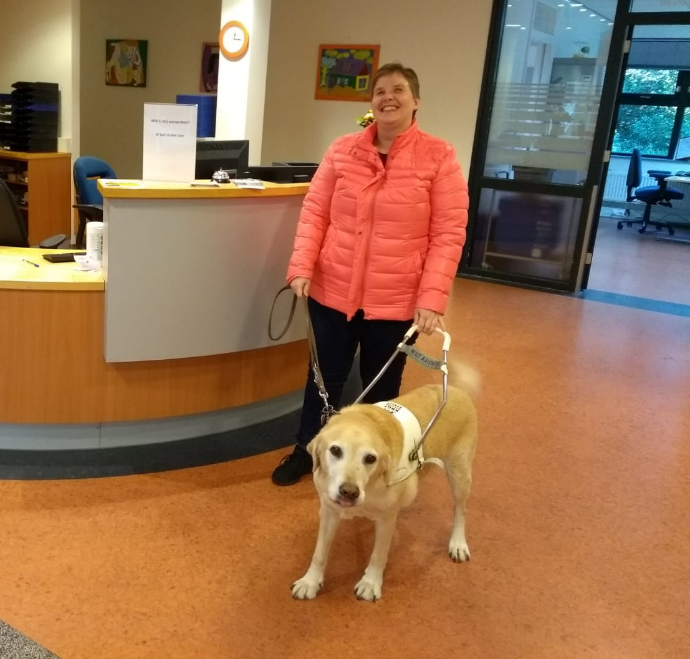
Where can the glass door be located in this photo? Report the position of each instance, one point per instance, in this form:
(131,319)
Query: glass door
(540,140)
(652,112)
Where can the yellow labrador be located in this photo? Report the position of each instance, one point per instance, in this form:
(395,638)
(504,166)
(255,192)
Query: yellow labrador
(361,468)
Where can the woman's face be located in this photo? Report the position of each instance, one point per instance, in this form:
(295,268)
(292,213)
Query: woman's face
(393,103)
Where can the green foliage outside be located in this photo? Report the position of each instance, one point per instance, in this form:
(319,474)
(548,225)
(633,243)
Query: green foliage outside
(650,81)
(646,127)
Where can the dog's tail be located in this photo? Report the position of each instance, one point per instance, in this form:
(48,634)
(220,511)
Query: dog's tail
(464,376)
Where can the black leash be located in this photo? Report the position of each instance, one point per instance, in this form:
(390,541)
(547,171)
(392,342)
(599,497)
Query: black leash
(328,410)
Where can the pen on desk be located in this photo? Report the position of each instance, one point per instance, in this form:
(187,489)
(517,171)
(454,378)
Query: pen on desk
(32,263)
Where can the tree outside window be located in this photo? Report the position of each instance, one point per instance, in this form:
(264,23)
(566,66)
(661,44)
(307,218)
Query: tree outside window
(648,112)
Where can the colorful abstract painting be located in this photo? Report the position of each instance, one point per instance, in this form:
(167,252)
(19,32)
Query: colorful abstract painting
(344,73)
(125,62)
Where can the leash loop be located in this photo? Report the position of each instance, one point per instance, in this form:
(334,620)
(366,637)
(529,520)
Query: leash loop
(328,409)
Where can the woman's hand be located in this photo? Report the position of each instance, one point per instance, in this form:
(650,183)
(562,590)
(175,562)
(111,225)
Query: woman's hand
(427,321)
(300,286)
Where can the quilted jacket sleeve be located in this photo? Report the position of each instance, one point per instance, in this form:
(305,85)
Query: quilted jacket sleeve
(449,204)
(313,220)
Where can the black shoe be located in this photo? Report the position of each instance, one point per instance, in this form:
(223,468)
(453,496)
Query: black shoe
(292,467)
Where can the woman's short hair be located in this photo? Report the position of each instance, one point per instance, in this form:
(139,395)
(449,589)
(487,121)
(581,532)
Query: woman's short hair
(396,67)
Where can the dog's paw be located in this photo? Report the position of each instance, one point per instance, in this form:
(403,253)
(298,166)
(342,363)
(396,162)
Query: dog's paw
(306,588)
(368,589)
(459,551)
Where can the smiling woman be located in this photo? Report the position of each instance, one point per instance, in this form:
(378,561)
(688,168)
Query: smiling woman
(377,247)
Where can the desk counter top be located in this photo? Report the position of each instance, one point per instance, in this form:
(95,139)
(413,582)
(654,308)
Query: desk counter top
(131,189)
(21,155)
(17,274)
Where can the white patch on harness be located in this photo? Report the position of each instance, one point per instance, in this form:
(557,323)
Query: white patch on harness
(412,433)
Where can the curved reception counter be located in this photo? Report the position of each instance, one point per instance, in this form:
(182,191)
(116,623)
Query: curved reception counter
(170,340)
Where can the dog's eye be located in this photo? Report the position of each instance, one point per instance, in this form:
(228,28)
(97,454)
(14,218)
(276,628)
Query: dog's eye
(336,452)
(369,459)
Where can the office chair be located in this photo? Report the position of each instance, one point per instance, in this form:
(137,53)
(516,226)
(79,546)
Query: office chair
(13,231)
(87,171)
(651,195)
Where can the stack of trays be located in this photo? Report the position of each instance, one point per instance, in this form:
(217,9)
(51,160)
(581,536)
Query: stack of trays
(5,119)
(35,112)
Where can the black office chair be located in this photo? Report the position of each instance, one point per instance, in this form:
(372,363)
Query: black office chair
(651,195)
(13,231)
(87,171)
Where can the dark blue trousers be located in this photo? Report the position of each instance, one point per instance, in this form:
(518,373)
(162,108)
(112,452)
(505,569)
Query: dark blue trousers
(336,344)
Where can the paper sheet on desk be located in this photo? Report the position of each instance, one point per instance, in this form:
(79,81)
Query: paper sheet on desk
(249,183)
(121,183)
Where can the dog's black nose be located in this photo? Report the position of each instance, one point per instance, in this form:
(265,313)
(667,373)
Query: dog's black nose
(349,491)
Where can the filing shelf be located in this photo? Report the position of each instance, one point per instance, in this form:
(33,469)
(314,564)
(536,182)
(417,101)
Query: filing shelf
(48,191)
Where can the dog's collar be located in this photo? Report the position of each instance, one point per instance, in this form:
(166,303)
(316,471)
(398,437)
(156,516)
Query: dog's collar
(412,433)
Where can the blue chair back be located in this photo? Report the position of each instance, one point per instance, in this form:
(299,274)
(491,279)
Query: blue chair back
(634,172)
(87,171)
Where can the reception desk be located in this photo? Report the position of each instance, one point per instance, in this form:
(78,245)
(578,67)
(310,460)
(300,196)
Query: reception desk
(170,341)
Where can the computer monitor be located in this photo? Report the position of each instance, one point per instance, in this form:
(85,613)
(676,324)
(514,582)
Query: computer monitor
(683,148)
(212,155)
(283,172)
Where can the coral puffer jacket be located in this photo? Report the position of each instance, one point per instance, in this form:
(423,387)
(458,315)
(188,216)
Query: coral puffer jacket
(385,240)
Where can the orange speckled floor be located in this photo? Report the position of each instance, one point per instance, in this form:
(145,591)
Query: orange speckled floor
(579,522)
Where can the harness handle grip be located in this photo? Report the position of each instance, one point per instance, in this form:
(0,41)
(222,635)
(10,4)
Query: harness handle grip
(446,336)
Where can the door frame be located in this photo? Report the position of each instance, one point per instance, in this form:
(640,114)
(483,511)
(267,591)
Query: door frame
(591,193)
(629,21)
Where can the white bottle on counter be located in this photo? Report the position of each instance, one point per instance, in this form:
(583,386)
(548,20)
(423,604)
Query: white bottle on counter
(94,242)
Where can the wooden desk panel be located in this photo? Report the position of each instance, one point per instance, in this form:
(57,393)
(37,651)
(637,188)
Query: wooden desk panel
(53,371)
(49,192)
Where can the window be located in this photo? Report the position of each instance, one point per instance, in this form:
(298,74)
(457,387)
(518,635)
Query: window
(650,81)
(653,114)
(645,127)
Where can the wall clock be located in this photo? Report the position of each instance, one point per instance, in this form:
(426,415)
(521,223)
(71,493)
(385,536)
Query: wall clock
(234,40)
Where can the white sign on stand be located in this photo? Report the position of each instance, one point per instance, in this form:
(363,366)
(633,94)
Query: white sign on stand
(169,142)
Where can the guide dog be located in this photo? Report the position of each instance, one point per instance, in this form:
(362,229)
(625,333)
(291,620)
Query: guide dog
(362,467)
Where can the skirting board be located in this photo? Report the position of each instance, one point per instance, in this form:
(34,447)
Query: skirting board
(67,437)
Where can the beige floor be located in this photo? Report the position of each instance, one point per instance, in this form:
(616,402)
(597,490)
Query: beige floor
(578,522)
(641,265)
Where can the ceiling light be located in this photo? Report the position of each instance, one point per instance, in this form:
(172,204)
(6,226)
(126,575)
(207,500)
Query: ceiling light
(592,15)
(602,20)
(568,28)
(513,25)
(523,28)
(583,10)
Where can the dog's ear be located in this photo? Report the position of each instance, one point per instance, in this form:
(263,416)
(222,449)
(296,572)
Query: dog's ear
(314,449)
(385,466)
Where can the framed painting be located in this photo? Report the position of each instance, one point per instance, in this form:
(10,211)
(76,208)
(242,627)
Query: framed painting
(210,55)
(344,73)
(125,62)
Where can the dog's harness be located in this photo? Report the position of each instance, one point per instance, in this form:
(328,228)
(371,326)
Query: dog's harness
(412,457)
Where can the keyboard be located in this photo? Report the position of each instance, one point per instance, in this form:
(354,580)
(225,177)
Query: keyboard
(61,257)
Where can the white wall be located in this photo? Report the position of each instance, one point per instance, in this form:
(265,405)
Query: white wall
(36,46)
(443,40)
(112,117)
(242,83)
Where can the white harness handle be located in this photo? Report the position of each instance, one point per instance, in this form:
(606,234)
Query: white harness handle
(415,455)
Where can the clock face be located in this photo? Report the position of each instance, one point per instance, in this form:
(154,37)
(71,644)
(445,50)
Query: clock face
(234,40)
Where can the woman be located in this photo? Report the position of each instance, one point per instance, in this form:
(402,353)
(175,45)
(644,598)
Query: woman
(377,248)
